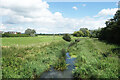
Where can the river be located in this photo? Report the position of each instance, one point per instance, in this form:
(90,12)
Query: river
(52,73)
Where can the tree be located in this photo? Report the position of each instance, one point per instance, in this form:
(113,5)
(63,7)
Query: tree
(111,32)
(30,32)
(67,37)
(95,33)
(78,33)
(85,31)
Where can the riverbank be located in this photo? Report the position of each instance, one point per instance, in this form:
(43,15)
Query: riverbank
(95,59)
(66,73)
(30,62)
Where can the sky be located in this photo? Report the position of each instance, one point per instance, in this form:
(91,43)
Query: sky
(54,17)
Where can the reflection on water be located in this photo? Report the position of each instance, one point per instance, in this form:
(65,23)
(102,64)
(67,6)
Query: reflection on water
(52,73)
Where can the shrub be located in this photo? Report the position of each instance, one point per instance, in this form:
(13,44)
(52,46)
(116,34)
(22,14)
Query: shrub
(71,44)
(14,35)
(77,40)
(78,33)
(60,65)
(67,37)
(63,51)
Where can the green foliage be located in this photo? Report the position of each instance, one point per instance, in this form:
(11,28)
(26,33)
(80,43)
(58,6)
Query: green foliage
(31,61)
(87,33)
(63,51)
(90,62)
(95,33)
(83,32)
(61,64)
(67,37)
(30,32)
(14,35)
(111,33)
(78,33)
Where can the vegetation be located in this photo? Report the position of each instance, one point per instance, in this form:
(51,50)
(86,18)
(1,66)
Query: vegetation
(61,64)
(30,32)
(78,34)
(111,33)
(67,37)
(29,57)
(95,33)
(30,61)
(95,59)
(83,32)
(14,35)
(34,55)
(29,41)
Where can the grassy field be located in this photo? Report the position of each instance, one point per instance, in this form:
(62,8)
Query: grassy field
(28,57)
(24,41)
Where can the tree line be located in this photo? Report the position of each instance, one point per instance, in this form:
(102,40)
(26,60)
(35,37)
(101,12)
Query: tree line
(110,33)
(28,33)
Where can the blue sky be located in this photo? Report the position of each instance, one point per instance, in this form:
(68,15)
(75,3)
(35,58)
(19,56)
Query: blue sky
(54,17)
(91,8)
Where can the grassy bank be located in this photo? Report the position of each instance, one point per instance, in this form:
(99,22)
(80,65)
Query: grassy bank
(95,59)
(30,61)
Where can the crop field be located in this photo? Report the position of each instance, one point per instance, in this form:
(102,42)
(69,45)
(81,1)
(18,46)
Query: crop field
(29,57)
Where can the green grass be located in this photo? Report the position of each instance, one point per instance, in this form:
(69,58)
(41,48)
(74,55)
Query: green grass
(29,57)
(18,41)
(28,62)
(95,59)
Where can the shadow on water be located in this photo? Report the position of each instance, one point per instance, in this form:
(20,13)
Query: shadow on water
(52,73)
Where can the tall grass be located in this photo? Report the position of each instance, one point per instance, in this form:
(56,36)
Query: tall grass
(61,63)
(30,62)
(91,61)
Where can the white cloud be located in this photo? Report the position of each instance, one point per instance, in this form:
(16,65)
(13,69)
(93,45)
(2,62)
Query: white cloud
(2,27)
(107,12)
(36,14)
(83,5)
(75,8)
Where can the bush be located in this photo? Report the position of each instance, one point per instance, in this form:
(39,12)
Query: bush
(63,51)
(60,65)
(67,37)
(77,40)
(95,33)
(14,35)
(78,33)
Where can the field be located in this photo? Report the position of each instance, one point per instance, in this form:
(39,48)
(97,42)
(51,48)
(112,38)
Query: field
(29,57)
(24,41)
